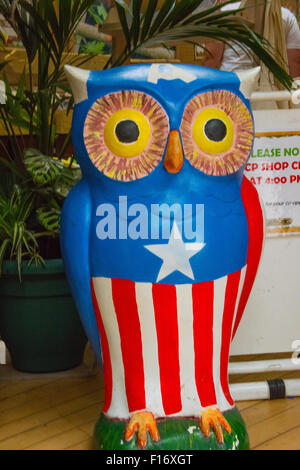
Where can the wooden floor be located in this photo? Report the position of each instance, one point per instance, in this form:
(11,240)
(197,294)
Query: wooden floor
(60,413)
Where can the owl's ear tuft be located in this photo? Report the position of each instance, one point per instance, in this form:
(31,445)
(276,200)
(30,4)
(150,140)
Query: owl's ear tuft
(78,80)
(248,80)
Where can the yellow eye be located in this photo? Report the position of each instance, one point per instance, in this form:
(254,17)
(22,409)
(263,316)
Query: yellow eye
(127,133)
(213,131)
(217,132)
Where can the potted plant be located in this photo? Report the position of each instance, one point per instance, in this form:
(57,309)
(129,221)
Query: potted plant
(38,318)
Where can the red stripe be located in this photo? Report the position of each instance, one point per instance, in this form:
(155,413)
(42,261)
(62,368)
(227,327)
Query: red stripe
(255,241)
(203,305)
(105,352)
(231,293)
(123,294)
(165,308)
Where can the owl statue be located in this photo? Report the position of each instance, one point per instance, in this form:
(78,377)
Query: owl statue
(161,241)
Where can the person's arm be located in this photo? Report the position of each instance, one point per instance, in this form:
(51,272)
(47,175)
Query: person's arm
(292,32)
(294,62)
(213,54)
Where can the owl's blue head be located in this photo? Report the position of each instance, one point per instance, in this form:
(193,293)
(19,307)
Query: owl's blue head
(140,129)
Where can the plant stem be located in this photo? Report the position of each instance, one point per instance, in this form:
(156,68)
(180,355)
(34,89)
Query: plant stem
(6,151)
(32,109)
(12,136)
(65,145)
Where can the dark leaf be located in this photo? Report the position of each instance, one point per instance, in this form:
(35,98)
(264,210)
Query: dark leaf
(44,169)
(163,14)
(135,25)
(49,219)
(123,22)
(148,18)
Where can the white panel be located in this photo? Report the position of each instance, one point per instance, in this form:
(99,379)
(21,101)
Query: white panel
(277,120)
(271,321)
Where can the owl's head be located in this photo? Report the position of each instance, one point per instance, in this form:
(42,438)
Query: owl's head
(131,123)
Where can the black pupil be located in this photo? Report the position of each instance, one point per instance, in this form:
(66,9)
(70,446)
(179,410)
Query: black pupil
(215,130)
(127,131)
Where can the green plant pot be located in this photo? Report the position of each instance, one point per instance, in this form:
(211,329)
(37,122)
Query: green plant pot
(38,319)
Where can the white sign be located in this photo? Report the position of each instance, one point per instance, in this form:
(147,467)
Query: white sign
(274,169)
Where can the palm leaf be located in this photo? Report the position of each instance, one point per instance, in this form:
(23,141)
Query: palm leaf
(123,21)
(4,246)
(124,6)
(148,18)
(176,22)
(18,232)
(135,25)
(163,14)
(50,14)
(25,207)
(179,13)
(44,26)
(38,27)
(207,13)
(19,20)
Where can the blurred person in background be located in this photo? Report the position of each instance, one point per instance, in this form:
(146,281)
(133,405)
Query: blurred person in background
(225,58)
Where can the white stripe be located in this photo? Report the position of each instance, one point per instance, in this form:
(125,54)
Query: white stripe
(144,301)
(219,300)
(103,290)
(241,284)
(191,405)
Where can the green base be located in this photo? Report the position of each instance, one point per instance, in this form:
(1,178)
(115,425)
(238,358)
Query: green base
(38,319)
(175,434)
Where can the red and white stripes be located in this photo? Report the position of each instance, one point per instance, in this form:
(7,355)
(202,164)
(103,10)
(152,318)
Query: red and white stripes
(165,347)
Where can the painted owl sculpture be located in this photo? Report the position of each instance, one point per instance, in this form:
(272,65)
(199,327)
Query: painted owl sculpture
(161,241)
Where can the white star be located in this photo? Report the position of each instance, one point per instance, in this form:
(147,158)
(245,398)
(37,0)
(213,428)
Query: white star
(175,255)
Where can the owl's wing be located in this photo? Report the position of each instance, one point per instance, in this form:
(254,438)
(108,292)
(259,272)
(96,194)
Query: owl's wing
(256,229)
(74,236)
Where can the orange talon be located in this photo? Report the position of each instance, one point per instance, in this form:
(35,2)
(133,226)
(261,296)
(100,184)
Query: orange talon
(214,418)
(142,422)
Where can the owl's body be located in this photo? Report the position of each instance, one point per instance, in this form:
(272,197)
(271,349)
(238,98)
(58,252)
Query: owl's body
(165,308)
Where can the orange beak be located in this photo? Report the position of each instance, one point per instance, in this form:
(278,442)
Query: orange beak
(173,160)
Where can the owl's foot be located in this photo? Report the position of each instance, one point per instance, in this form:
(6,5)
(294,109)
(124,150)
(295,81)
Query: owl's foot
(214,418)
(142,422)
